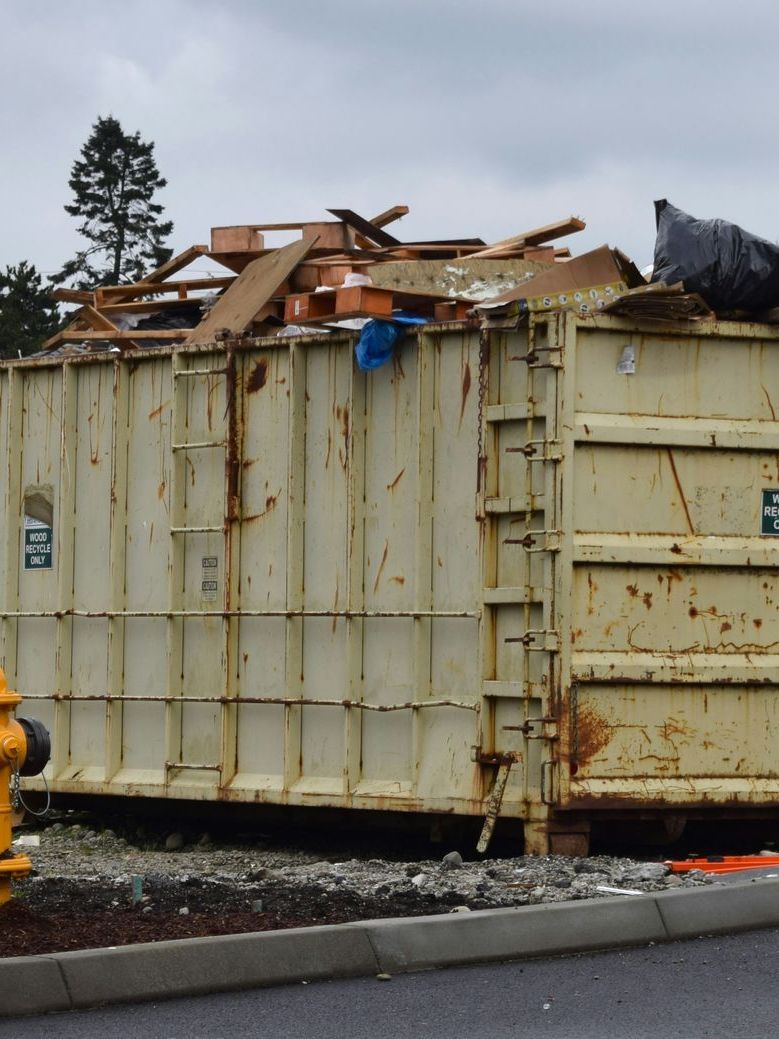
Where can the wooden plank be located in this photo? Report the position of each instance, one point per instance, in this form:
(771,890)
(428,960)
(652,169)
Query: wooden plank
(172,266)
(176,263)
(98,321)
(148,306)
(239,261)
(364,227)
(537,236)
(116,293)
(389,216)
(71,295)
(457,310)
(240,238)
(118,336)
(365,301)
(250,291)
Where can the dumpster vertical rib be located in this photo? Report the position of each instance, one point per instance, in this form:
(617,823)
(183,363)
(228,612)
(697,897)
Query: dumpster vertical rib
(355,572)
(293,721)
(232,563)
(117,566)
(60,751)
(423,570)
(176,550)
(12,511)
(527,559)
(558,495)
(487,485)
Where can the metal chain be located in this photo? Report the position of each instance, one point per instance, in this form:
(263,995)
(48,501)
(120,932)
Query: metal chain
(484,351)
(16,795)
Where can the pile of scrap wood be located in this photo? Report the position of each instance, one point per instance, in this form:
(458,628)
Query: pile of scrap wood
(336,270)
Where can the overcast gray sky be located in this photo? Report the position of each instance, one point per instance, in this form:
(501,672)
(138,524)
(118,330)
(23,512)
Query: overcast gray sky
(486,118)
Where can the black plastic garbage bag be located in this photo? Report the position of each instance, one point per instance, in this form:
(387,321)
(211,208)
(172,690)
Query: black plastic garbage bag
(731,268)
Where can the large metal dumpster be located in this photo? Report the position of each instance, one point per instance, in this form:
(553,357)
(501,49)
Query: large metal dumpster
(504,574)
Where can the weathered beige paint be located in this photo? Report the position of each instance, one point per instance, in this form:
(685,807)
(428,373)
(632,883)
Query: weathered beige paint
(622,654)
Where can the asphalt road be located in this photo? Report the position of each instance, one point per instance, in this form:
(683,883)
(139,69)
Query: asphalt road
(718,987)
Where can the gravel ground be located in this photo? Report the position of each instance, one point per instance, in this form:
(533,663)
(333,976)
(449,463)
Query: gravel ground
(85,888)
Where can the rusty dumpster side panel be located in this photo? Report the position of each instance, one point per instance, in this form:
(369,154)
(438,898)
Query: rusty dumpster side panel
(497,575)
(671,647)
(266,571)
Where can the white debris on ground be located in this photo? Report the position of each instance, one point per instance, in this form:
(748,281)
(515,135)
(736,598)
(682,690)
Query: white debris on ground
(73,853)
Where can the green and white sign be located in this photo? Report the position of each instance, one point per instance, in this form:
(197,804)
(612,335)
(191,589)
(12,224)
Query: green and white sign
(769,513)
(37,544)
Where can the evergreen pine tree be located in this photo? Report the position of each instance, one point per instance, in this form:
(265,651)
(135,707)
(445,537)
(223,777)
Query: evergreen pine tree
(28,315)
(113,186)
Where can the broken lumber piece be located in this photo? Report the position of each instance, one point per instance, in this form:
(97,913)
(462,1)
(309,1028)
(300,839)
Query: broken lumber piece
(366,301)
(106,295)
(250,291)
(537,236)
(119,336)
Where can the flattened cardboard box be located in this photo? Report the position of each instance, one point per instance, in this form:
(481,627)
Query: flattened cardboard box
(585,284)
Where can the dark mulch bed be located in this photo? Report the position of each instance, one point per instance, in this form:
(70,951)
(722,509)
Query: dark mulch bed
(61,917)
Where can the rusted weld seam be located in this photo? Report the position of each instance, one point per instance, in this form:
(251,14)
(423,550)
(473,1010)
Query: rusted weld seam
(285,701)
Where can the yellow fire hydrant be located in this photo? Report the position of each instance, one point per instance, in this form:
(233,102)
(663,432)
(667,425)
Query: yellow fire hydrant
(24,750)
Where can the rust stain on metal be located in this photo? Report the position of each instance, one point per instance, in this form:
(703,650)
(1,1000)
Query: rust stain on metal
(593,733)
(592,588)
(258,377)
(680,490)
(757,623)
(465,389)
(329,447)
(768,400)
(396,481)
(671,576)
(381,567)
(343,453)
(270,504)
(398,579)
(161,491)
(647,600)
(158,411)
(632,590)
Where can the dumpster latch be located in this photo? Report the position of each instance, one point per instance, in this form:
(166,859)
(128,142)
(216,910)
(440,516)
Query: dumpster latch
(538,541)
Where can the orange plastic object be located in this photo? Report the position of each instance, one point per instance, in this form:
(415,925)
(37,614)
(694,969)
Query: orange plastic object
(724,863)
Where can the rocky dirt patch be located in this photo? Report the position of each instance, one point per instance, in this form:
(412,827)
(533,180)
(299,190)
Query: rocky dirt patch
(95,887)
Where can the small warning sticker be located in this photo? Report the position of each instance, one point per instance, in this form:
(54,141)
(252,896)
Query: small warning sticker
(37,544)
(769,513)
(209,578)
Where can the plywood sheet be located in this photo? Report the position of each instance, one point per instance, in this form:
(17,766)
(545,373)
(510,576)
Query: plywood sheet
(250,291)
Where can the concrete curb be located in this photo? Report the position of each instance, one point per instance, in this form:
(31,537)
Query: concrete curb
(164,970)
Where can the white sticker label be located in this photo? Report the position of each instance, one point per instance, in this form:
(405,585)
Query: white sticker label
(209,578)
(627,362)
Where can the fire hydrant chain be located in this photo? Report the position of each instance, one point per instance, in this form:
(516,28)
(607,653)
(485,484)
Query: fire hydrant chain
(18,801)
(14,787)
